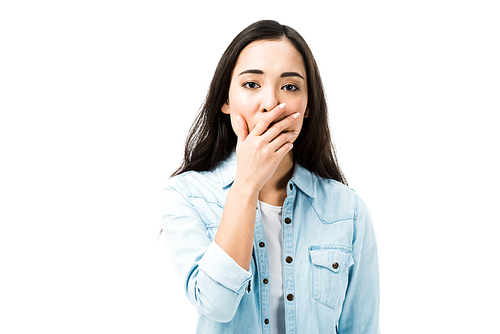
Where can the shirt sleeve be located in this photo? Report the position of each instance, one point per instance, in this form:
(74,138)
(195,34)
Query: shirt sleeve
(360,312)
(214,282)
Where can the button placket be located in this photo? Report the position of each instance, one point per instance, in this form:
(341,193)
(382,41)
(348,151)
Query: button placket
(289,252)
(262,268)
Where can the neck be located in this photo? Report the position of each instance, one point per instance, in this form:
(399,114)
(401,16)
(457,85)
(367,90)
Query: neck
(274,191)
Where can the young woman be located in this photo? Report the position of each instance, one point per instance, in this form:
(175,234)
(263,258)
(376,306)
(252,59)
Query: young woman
(263,231)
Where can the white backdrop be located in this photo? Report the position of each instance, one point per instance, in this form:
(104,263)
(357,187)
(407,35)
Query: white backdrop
(96,99)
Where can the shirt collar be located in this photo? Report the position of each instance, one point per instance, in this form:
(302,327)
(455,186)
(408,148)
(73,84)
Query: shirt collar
(304,179)
(226,170)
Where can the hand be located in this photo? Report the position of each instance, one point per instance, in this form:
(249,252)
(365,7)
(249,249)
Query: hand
(260,152)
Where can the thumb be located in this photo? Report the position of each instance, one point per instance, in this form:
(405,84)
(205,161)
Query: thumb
(242,128)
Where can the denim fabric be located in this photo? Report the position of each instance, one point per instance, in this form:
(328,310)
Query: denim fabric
(330,263)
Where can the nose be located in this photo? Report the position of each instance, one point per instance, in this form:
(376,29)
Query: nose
(270,100)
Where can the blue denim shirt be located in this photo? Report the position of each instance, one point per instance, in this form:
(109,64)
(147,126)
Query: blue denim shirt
(330,264)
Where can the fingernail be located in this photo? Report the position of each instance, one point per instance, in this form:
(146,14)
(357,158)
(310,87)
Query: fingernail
(282,106)
(296,115)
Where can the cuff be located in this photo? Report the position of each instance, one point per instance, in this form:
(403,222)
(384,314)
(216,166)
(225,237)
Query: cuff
(222,268)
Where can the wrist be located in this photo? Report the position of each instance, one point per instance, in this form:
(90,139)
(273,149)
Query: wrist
(248,187)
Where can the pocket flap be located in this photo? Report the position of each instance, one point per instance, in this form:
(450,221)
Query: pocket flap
(334,259)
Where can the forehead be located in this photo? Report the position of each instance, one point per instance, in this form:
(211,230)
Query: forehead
(270,56)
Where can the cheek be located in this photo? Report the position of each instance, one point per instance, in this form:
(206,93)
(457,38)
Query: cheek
(251,118)
(299,105)
(246,110)
(234,123)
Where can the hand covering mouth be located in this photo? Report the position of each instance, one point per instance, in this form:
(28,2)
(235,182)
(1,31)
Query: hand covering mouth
(274,122)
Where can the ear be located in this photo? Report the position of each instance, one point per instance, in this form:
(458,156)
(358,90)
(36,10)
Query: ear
(225,108)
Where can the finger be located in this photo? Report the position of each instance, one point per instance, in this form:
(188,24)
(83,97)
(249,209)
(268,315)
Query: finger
(242,128)
(282,139)
(280,126)
(283,150)
(265,121)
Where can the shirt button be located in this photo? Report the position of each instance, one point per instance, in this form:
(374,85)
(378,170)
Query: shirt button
(288,259)
(266,321)
(262,244)
(265,281)
(288,220)
(335,265)
(289,297)
(291,186)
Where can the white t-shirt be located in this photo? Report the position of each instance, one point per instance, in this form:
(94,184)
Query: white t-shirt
(271,218)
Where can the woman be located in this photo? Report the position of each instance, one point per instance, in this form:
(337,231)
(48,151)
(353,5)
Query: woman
(263,230)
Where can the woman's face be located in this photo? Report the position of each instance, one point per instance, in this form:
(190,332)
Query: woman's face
(267,74)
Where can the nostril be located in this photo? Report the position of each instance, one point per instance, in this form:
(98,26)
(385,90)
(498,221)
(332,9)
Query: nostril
(265,110)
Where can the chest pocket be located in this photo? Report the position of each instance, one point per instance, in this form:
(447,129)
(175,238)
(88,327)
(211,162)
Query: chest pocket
(330,274)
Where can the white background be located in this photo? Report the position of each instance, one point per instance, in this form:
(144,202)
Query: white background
(96,98)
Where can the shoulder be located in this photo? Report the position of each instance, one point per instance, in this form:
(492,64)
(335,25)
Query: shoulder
(334,201)
(332,187)
(206,184)
(193,185)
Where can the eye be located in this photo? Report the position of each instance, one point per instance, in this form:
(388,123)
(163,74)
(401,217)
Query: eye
(290,87)
(251,85)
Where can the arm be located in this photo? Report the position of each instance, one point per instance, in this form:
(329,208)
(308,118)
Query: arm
(258,155)
(237,226)
(215,273)
(214,283)
(360,312)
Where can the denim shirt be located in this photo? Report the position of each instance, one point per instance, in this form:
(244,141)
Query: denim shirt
(330,264)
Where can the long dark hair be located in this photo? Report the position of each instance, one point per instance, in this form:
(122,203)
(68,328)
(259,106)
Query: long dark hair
(211,138)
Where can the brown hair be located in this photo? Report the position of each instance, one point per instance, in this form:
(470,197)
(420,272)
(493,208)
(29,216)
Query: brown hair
(211,138)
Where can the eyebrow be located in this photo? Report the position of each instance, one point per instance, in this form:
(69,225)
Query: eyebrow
(291,74)
(252,71)
(283,75)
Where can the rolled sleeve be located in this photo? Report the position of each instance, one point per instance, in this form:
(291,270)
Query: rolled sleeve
(213,281)
(222,268)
